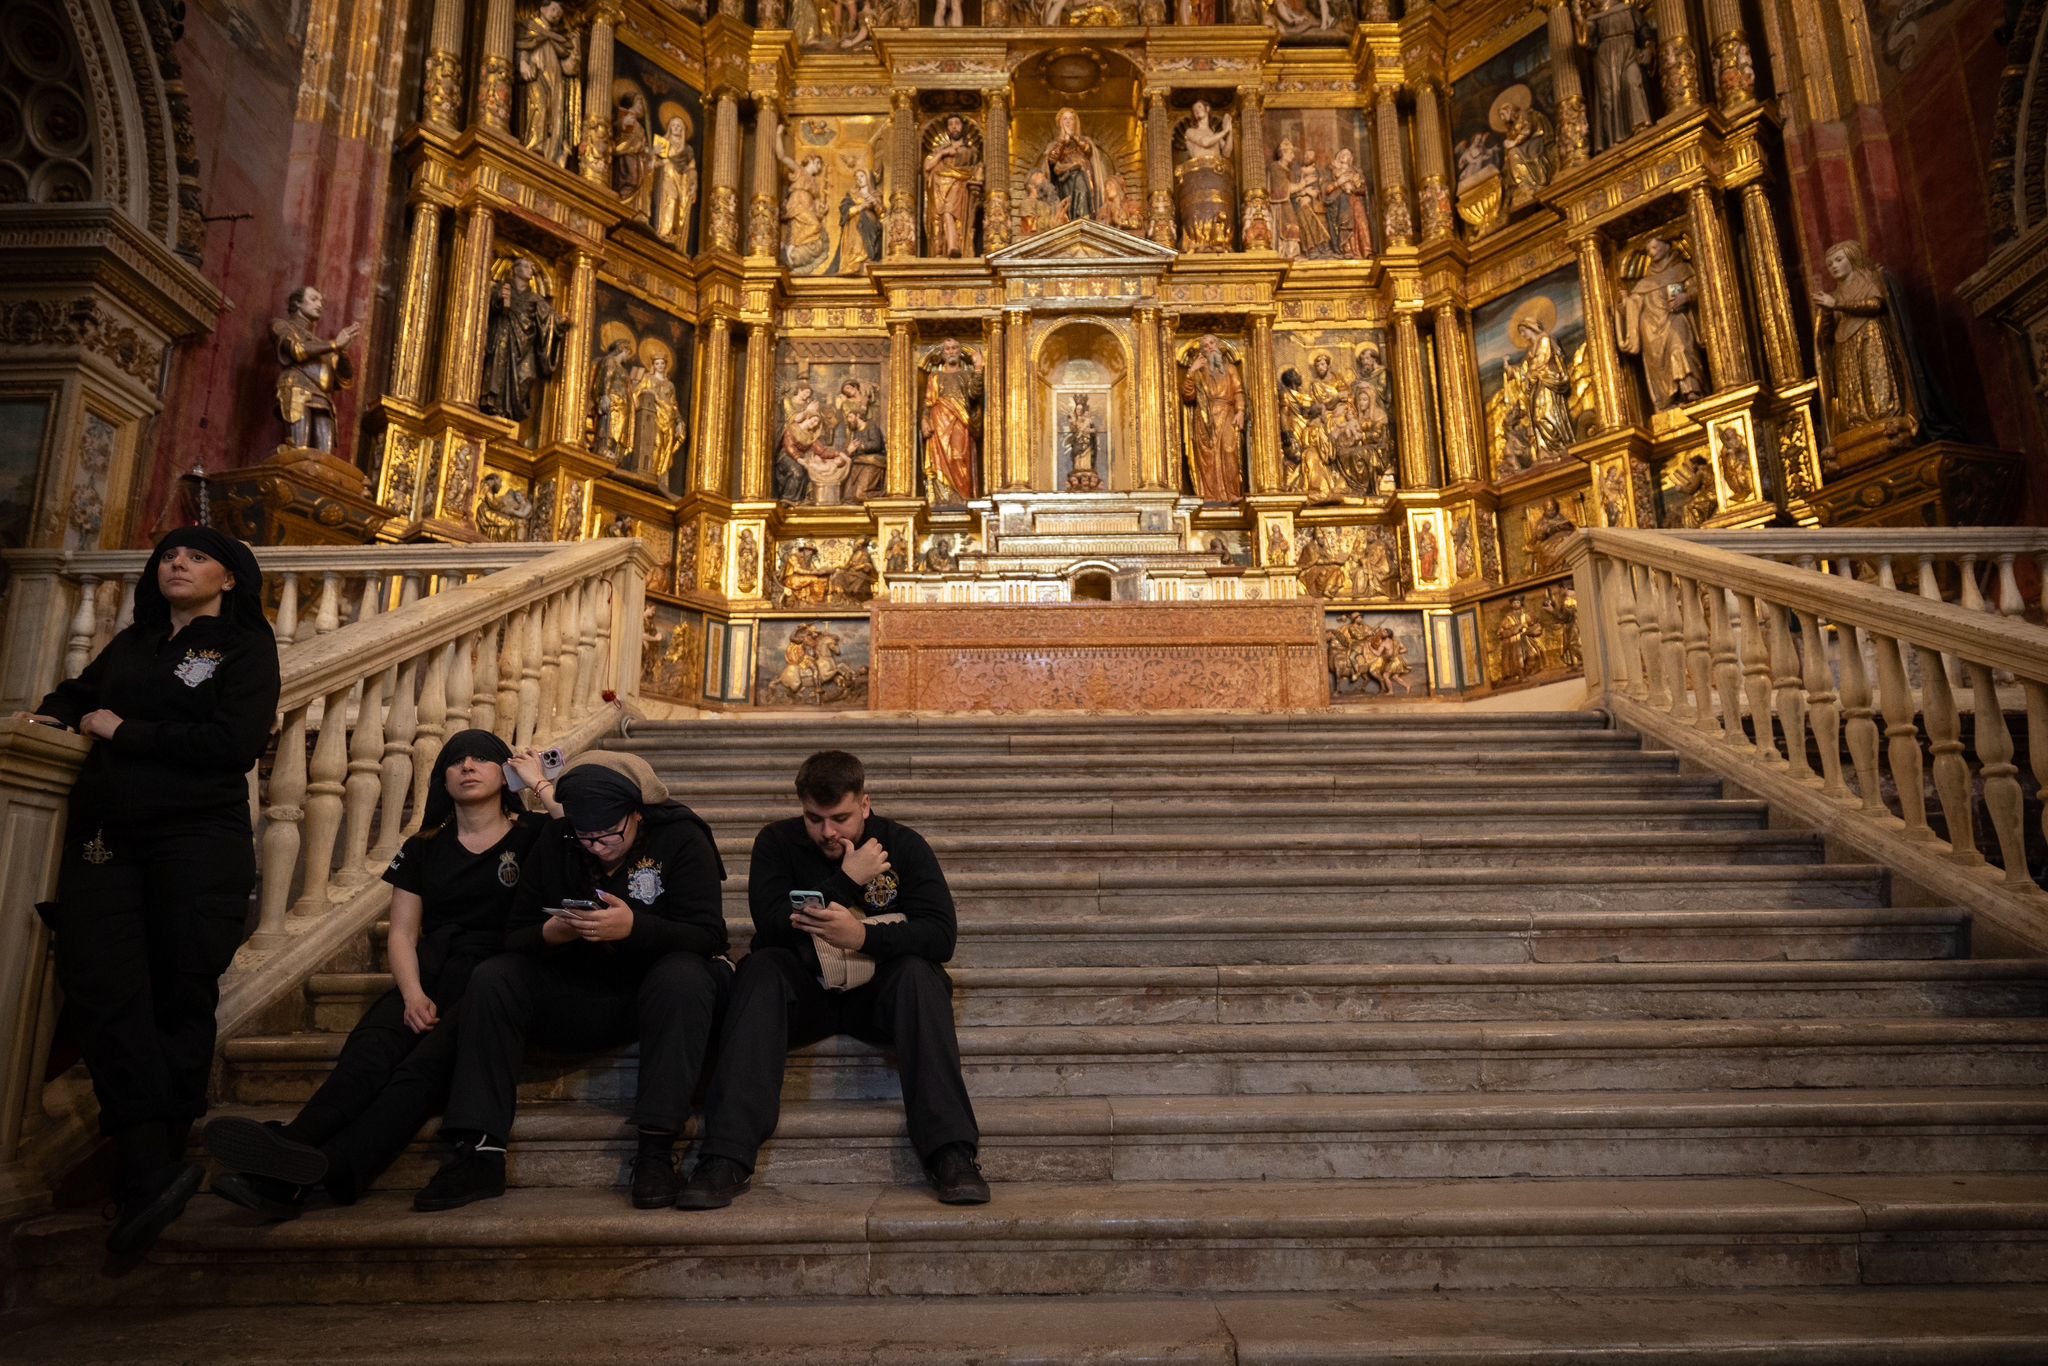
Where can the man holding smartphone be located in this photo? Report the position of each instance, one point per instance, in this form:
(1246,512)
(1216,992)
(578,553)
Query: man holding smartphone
(860,865)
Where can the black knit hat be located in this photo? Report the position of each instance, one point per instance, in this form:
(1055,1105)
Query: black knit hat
(242,604)
(463,744)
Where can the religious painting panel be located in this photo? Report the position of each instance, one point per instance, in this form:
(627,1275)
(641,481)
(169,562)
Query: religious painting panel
(1538,532)
(506,509)
(1349,563)
(1336,412)
(1532,634)
(1429,561)
(672,653)
(951,177)
(22,425)
(1531,348)
(1309,22)
(830,421)
(728,660)
(823,571)
(1376,654)
(640,385)
(1504,132)
(813,662)
(657,149)
(950,394)
(1322,182)
(833,195)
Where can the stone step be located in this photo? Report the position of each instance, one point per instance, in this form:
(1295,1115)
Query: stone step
(1847,1326)
(1263,1138)
(1366,993)
(771,787)
(858,1241)
(1386,763)
(1270,1059)
(1390,719)
(1275,746)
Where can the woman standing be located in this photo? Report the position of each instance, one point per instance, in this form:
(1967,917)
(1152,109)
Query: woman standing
(452,886)
(158,860)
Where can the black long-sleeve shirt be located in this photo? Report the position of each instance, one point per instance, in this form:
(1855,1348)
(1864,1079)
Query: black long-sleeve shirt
(196,711)
(785,860)
(669,877)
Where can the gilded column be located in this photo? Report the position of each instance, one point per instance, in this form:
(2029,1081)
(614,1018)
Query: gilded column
(468,287)
(1574,125)
(995,425)
(1169,375)
(1767,278)
(1262,384)
(1159,169)
(1612,396)
(1677,63)
(1016,400)
(1433,162)
(1251,173)
(441,82)
(422,261)
(725,172)
(1411,395)
(902,240)
(1715,274)
(713,474)
(581,309)
(1151,396)
(594,157)
(995,164)
(901,476)
(1734,72)
(1399,218)
(1457,378)
(760,397)
(494,72)
(762,218)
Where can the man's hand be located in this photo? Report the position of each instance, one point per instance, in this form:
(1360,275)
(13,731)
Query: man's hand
(608,923)
(833,923)
(421,1014)
(100,725)
(865,864)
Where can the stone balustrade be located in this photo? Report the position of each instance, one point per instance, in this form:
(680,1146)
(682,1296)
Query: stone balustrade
(1975,567)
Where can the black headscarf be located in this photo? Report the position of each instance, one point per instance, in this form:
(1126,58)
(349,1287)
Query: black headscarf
(596,798)
(463,744)
(242,604)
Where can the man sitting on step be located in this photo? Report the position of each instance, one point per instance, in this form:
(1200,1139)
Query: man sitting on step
(616,933)
(821,966)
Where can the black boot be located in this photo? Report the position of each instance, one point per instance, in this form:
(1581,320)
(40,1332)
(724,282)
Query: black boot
(716,1183)
(956,1176)
(243,1145)
(476,1172)
(154,1188)
(655,1182)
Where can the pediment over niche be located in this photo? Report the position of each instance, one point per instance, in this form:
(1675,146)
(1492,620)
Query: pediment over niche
(1086,243)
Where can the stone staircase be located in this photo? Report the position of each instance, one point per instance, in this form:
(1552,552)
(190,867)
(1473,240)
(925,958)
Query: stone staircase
(1394,1036)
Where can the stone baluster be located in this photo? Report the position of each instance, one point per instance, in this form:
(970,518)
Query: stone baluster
(1823,710)
(483,698)
(2003,800)
(324,788)
(459,682)
(1858,711)
(2037,741)
(586,648)
(763,210)
(1788,689)
(327,613)
(1397,213)
(1574,124)
(286,626)
(724,212)
(1433,162)
(283,813)
(1967,592)
(2010,603)
(1699,657)
(1902,736)
(531,666)
(616,675)
(713,474)
(1945,743)
(494,73)
(1619,591)
(1715,277)
(1727,667)
(995,157)
(756,469)
(1734,70)
(1411,396)
(441,78)
(125,616)
(547,630)
(1677,63)
(568,628)
(902,237)
(1159,169)
(469,288)
(1783,356)
(594,156)
(1671,613)
(511,651)
(84,626)
(432,726)
(1650,636)
(1756,677)
(364,783)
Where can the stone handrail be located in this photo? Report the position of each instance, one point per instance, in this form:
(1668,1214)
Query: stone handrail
(1971,566)
(1816,690)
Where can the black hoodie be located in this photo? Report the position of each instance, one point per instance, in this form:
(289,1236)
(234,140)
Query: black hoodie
(196,708)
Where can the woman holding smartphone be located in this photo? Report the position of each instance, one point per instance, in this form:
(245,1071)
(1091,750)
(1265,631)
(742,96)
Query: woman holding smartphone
(158,859)
(452,884)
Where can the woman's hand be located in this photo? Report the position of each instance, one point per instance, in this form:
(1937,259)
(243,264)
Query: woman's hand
(608,923)
(100,725)
(421,1014)
(526,764)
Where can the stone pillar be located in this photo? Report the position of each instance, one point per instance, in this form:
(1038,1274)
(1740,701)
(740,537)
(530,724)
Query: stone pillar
(713,445)
(1159,169)
(1677,63)
(580,308)
(1170,415)
(1714,275)
(902,234)
(468,306)
(1261,385)
(1151,385)
(1613,397)
(494,72)
(1773,296)
(995,172)
(901,478)
(1257,227)
(441,81)
(1464,425)
(995,417)
(1016,400)
(1734,71)
(416,303)
(1574,124)
(760,399)
(763,218)
(1397,218)
(1433,164)
(1411,397)
(594,157)
(725,172)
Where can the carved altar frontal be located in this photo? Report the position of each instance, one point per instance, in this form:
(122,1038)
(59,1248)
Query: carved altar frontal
(1138,657)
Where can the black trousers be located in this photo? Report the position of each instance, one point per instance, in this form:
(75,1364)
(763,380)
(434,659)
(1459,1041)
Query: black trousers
(778,1004)
(146,921)
(517,997)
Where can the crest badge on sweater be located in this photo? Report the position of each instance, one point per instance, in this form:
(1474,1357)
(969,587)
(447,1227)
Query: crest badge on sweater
(196,667)
(508,869)
(644,883)
(881,891)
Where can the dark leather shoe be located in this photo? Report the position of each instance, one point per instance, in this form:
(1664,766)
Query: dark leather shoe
(466,1177)
(655,1182)
(957,1176)
(146,1214)
(243,1145)
(275,1200)
(716,1183)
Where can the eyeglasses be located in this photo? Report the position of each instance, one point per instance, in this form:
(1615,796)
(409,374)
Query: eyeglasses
(611,836)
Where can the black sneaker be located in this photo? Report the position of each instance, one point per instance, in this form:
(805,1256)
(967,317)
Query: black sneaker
(655,1182)
(957,1176)
(243,1145)
(275,1200)
(468,1176)
(716,1183)
(145,1215)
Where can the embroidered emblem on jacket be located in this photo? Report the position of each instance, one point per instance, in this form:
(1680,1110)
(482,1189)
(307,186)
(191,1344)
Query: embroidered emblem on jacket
(396,859)
(95,850)
(508,869)
(644,884)
(881,891)
(196,667)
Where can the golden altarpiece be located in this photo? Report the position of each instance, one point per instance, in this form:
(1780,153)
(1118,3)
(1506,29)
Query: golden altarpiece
(989,302)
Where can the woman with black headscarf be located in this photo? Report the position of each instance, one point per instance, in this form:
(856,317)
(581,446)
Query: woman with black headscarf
(452,885)
(158,860)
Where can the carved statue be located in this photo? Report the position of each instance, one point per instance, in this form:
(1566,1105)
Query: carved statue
(632,163)
(1372,414)
(522,346)
(863,440)
(1120,208)
(551,98)
(673,202)
(310,370)
(1075,167)
(1622,45)
(1080,443)
(952,182)
(1428,552)
(948,14)
(612,377)
(947,421)
(1040,208)
(1544,382)
(1344,207)
(1525,137)
(803,213)
(1695,484)
(1519,636)
(1302,18)
(807,468)
(897,560)
(1545,538)
(1559,612)
(1206,182)
(657,422)
(1732,449)
(1874,385)
(1213,388)
(1300,187)
(860,225)
(1305,441)
(503,514)
(1654,320)
(1322,574)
